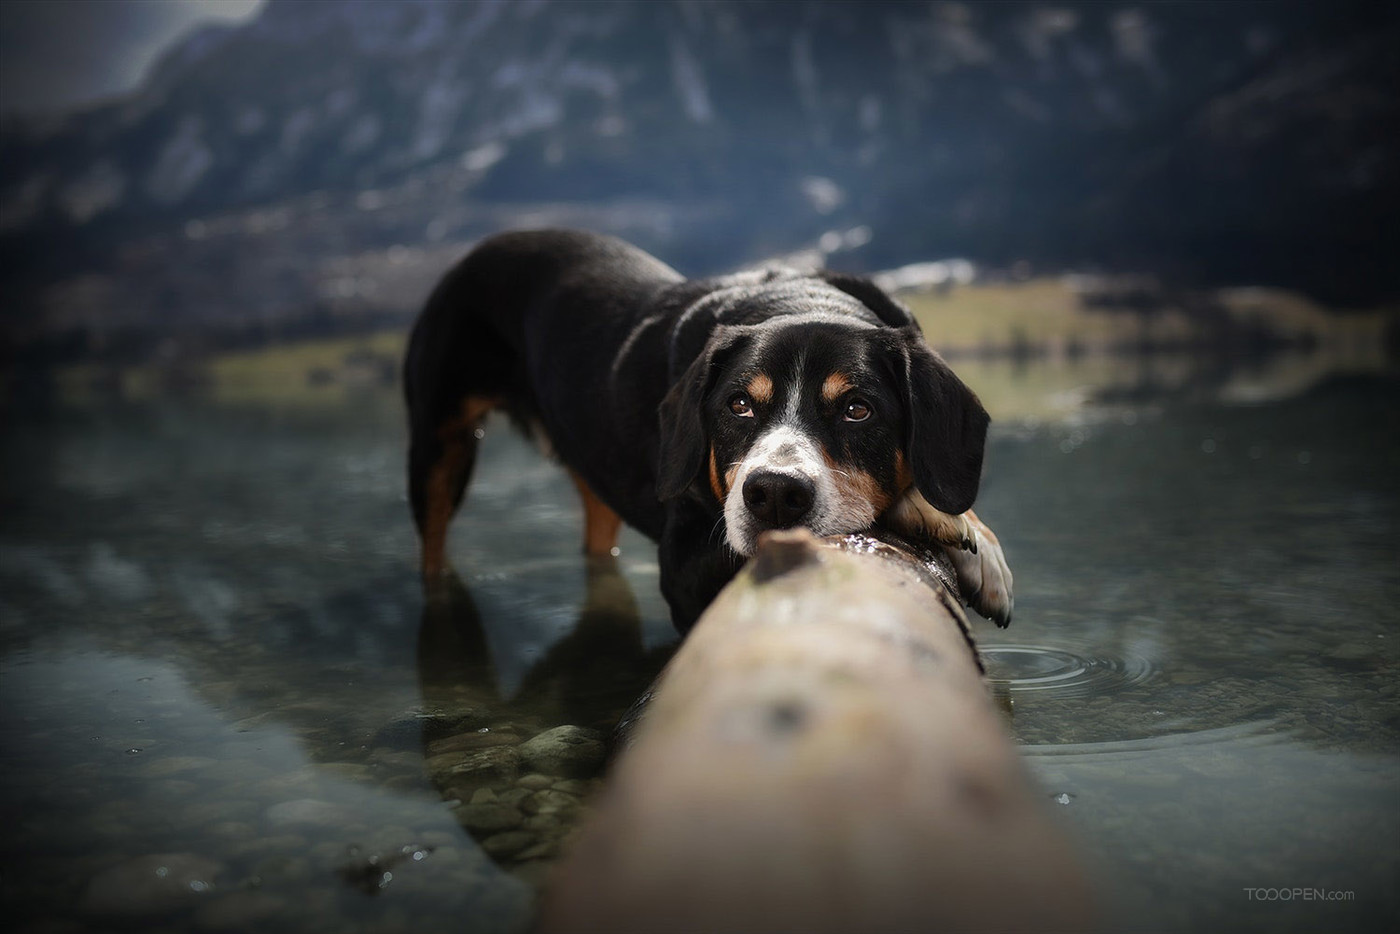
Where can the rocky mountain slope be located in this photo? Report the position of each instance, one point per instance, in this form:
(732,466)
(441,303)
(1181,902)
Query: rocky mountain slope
(1234,142)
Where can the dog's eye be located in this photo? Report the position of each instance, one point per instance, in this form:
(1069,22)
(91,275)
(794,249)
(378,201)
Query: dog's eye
(857,410)
(740,405)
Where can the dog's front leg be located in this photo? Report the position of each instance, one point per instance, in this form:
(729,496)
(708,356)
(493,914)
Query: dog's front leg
(983,574)
(695,560)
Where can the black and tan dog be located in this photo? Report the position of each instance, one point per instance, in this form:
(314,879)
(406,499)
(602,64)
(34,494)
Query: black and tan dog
(701,411)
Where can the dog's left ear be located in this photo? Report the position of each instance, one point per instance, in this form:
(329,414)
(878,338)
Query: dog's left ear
(684,441)
(946,432)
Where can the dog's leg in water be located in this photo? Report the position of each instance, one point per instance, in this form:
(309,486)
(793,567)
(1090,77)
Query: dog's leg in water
(600,524)
(984,577)
(439,468)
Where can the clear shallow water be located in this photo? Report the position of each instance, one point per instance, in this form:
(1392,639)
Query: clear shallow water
(217,661)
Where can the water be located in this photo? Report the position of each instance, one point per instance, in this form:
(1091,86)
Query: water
(228,705)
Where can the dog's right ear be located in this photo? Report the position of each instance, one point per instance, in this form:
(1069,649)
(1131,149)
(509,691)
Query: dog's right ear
(871,296)
(684,440)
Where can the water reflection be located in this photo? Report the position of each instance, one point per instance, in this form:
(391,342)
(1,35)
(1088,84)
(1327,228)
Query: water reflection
(517,767)
(585,677)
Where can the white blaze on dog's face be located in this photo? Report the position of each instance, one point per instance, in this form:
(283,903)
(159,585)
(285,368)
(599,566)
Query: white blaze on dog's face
(807,432)
(787,463)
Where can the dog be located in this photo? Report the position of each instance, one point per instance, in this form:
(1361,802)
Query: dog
(702,412)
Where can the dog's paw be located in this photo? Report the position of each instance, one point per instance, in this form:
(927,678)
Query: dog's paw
(984,577)
(983,574)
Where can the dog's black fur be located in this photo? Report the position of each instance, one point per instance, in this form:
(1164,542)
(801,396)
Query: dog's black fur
(653,389)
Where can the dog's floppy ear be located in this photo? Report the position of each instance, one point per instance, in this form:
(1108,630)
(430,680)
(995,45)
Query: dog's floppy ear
(683,438)
(946,432)
(871,296)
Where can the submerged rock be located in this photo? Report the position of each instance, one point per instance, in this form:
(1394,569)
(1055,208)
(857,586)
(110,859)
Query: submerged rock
(570,751)
(484,764)
(307,812)
(464,742)
(506,845)
(489,817)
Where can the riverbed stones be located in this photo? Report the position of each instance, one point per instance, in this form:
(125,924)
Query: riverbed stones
(514,795)
(534,781)
(209,812)
(482,765)
(151,884)
(506,845)
(311,812)
(465,742)
(541,822)
(550,801)
(489,817)
(351,771)
(568,751)
(264,844)
(232,830)
(544,849)
(396,759)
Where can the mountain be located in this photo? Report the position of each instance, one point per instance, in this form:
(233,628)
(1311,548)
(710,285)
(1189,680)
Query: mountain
(1236,142)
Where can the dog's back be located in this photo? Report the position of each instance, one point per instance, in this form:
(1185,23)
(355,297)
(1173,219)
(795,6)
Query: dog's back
(525,323)
(498,302)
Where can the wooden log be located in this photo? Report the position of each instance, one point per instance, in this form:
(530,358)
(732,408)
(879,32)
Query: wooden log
(821,755)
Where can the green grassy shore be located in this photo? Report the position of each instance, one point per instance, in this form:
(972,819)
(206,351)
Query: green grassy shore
(992,333)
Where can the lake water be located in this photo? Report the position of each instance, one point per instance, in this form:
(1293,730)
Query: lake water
(228,705)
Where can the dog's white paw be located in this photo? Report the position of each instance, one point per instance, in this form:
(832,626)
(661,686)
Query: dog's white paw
(983,574)
(984,577)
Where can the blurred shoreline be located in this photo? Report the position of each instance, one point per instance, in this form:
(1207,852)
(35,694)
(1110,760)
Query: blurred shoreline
(1040,348)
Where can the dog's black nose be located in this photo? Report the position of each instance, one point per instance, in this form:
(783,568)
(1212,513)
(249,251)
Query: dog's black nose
(778,500)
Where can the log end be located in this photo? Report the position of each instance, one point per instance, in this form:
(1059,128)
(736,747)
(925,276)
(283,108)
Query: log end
(781,551)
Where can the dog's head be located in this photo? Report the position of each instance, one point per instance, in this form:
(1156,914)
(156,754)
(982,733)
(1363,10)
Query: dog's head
(819,421)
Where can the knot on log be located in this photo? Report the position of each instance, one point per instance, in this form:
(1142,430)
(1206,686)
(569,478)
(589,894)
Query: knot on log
(781,551)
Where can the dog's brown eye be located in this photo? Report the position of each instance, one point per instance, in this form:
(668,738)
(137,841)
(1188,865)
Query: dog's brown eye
(857,411)
(741,406)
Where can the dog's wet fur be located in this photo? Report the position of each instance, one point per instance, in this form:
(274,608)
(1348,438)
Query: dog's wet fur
(703,412)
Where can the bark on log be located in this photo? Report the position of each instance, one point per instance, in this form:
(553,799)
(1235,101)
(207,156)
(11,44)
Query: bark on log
(821,755)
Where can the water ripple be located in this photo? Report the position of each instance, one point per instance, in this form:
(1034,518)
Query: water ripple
(1264,732)
(1021,668)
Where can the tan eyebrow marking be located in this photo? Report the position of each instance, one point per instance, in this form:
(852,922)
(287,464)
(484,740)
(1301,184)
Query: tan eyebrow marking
(835,385)
(760,387)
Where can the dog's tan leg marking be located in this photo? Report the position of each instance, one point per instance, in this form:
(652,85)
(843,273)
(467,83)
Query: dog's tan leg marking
(913,516)
(445,477)
(600,523)
(441,480)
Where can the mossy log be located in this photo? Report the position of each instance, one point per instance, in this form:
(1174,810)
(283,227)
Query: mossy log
(821,755)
